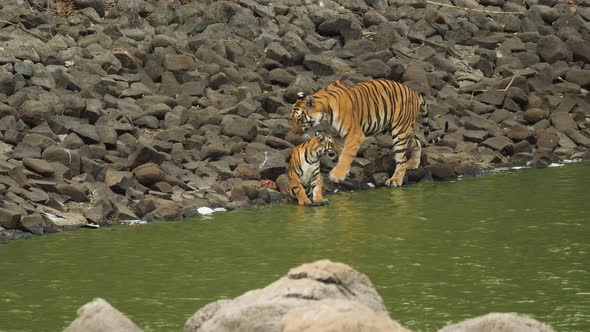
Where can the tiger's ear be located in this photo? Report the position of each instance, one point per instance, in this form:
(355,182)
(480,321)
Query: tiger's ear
(309,100)
(300,94)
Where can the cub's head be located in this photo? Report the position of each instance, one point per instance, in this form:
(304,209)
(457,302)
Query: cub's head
(303,116)
(326,145)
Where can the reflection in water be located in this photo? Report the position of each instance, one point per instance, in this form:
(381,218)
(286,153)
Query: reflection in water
(436,252)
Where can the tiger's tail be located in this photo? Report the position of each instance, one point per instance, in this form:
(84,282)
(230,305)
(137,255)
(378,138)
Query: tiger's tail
(426,127)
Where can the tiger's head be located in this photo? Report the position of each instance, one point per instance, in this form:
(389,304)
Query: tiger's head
(326,146)
(305,114)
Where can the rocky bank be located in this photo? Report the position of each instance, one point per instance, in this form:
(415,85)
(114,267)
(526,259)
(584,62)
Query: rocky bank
(322,296)
(143,110)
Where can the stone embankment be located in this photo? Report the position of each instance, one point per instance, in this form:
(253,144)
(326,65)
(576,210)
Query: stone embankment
(319,296)
(143,110)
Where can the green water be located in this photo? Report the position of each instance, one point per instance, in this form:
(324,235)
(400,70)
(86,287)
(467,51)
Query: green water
(436,252)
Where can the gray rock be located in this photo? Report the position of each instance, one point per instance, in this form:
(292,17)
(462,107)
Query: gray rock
(75,191)
(240,127)
(579,76)
(143,154)
(34,112)
(499,322)
(39,166)
(295,302)
(552,49)
(87,133)
(25,150)
(534,115)
(578,138)
(149,173)
(177,134)
(33,223)
(9,217)
(476,136)
(374,68)
(214,151)
(270,163)
(247,171)
(579,47)
(563,121)
(319,64)
(277,52)
(7,82)
(348,26)
(442,171)
(500,143)
(280,75)
(100,316)
(519,132)
(547,140)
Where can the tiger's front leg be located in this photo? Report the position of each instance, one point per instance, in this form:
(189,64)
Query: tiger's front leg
(352,143)
(298,192)
(318,197)
(400,145)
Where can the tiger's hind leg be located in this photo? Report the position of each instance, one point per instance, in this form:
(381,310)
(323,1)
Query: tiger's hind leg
(400,147)
(415,153)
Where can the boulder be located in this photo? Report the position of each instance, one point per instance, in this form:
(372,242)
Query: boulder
(442,171)
(39,166)
(240,127)
(319,65)
(270,163)
(563,121)
(501,144)
(311,297)
(341,316)
(547,140)
(148,174)
(9,217)
(214,151)
(100,316)
(499,322)
(534,115)
(34,112)
(552,49)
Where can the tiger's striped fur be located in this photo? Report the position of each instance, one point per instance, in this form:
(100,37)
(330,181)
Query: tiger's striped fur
(365,109)
(305,180)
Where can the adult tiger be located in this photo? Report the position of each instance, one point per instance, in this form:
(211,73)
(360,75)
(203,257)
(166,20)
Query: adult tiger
(305,180)
(365,109)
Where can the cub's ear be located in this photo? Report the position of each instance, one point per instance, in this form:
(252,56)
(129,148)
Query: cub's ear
(320,136)
(300,94)
(309,100)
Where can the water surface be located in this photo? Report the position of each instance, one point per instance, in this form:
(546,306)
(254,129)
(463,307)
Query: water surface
(436,252)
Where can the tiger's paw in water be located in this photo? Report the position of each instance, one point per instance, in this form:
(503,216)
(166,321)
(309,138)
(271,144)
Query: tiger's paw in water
(306,202)
(395,181)
(317,203)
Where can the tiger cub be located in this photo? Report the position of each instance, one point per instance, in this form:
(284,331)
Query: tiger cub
(305,181)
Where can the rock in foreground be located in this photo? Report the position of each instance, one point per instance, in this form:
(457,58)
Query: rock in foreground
(319,296)
(499,322)
(100,316)
(322,296)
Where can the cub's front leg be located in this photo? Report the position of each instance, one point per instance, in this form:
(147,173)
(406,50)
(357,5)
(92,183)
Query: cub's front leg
(298,192)
(318,197)
(352,143)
